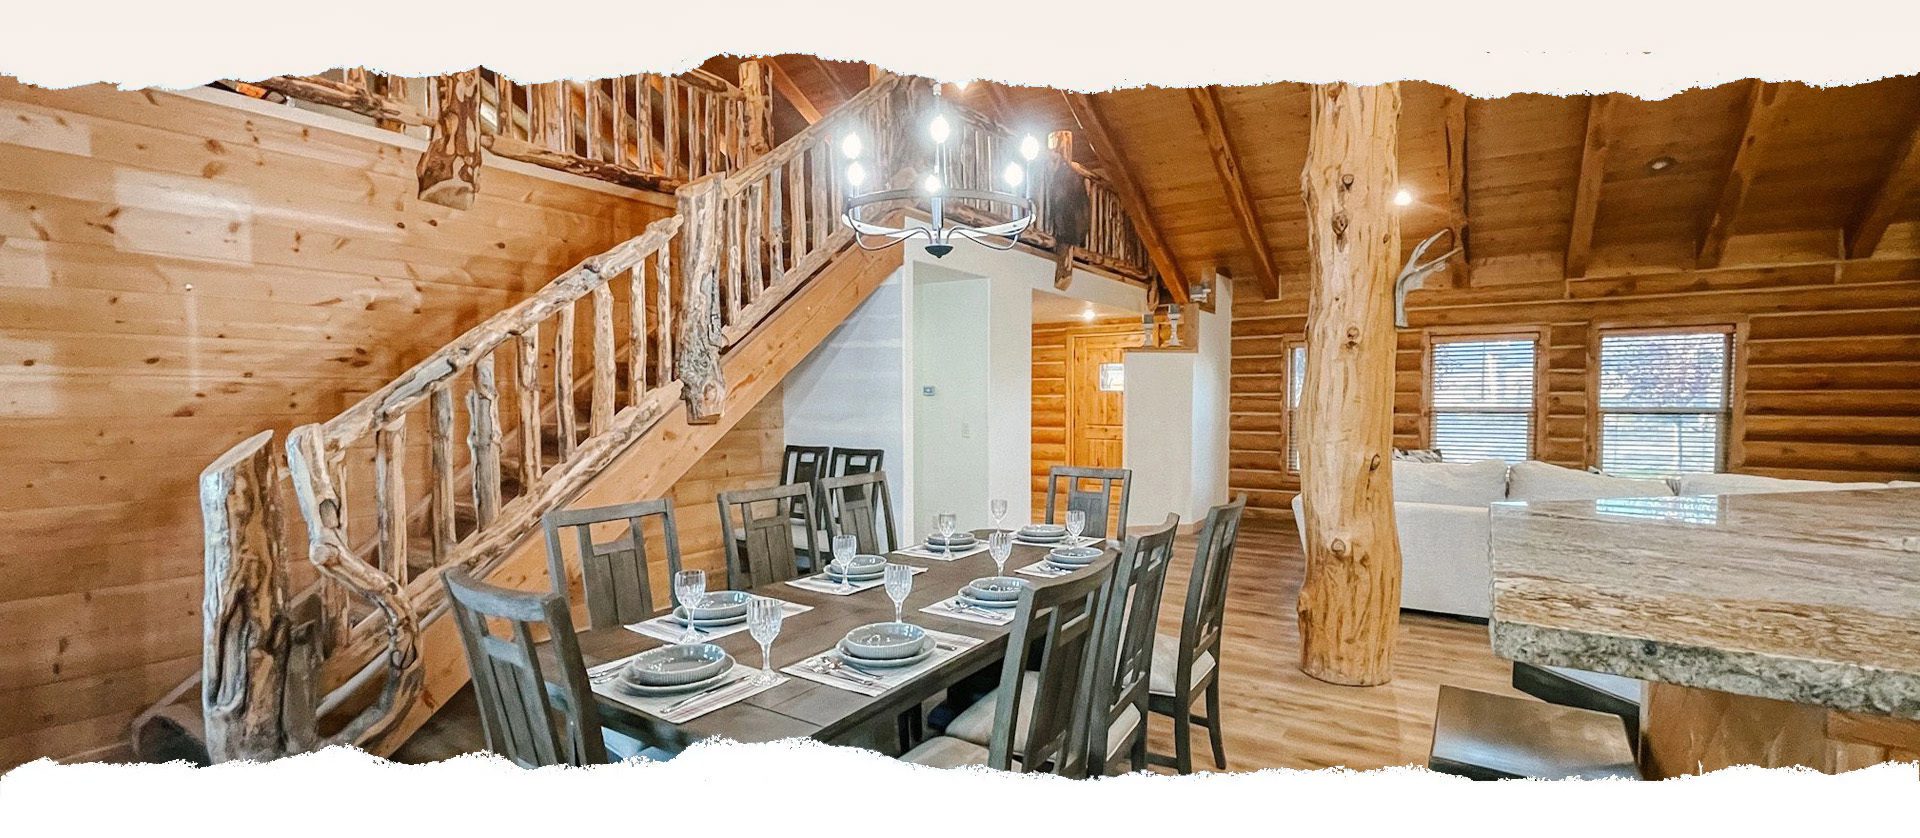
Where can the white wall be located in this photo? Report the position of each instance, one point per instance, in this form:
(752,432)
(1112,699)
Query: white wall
(951,355)
(1176,423)
(852,390)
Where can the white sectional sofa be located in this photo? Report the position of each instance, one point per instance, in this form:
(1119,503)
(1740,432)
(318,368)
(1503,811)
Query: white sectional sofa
(1442,511)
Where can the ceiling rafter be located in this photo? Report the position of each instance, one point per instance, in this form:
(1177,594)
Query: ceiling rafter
(1208,108)
(1760,107)
(839,88)
(1593,174)
(1121,174)
(796,97)
(1897,187)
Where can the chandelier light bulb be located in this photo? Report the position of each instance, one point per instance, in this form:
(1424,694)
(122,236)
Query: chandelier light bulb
(850,146)
(856,174)
(931,184)
(939,129)
(1029,147)
(1013,174)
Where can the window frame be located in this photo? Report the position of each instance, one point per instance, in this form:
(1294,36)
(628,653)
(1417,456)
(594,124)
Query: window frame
(1733,411)
(1289,445)
(1537,410)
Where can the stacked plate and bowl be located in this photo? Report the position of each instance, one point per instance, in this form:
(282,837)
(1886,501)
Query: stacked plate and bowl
(1072,558)
(860,568)
(671,670)
(997,593)
(1041,535)
(880,646)
(720,609)
(958,542)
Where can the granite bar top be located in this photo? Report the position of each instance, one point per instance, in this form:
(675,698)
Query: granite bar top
(1806,597)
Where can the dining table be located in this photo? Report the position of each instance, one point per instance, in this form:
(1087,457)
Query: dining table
(805,708)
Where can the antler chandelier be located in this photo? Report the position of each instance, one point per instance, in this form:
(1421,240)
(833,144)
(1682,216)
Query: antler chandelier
(937,190)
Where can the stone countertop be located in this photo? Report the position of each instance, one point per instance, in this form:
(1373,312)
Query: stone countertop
(1807,597)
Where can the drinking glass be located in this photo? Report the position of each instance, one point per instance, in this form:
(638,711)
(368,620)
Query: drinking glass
(764,616)
(998,509)
(899,584)
(944,523)
(1000,544)
(690,586)
(1076,524)
(843,550)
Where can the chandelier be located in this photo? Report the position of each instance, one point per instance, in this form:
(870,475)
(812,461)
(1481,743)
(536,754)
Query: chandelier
(937,190)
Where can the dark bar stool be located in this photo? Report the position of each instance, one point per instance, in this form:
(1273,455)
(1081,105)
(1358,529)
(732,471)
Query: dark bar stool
(1482,736)
(1615,695)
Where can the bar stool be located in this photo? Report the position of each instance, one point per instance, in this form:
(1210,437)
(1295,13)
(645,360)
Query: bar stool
(1483,736)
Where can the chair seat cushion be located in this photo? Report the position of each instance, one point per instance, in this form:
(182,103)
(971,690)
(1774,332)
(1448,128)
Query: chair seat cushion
(621,747)
(975,724)
(948,752)
(1166,663)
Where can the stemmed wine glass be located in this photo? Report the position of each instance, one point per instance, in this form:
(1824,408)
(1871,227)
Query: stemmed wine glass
(899,585)
(1000,544)
(690,586)
(1076,524)
(843,549)
(764,616)
(997,508)
(944,523)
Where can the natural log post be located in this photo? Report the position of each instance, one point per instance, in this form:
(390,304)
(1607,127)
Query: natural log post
(450,167)
(483,439)
(247,633)
(1350,601)
(701,337)
(756,87)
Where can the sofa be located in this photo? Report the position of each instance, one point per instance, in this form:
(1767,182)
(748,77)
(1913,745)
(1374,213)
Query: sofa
(1442,512)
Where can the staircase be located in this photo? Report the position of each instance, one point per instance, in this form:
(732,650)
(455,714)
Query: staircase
(605,386)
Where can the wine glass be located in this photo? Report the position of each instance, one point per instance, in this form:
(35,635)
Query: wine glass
(843,550)
(764,616)
(899,584)
(690,586)
(998,509)
(1076,524)
(1000,544)
(944,523)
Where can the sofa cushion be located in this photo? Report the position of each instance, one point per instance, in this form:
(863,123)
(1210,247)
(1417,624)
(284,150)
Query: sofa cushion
(1754,484)
(1460,484)
(1533,480)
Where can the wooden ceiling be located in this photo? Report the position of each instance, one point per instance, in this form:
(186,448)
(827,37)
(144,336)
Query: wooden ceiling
(1549,186)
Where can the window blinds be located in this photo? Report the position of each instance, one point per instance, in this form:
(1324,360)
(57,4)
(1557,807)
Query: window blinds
(1482,400)
(1663,402)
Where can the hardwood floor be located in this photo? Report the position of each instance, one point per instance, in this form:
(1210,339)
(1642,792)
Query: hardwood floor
(1274,716)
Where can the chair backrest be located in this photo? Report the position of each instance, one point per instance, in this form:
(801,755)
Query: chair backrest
(1206,608)
(1097,503)
(806,464)
(1062,618)
(614,573)
(1127,623)
(860,505)
(765,552)
(530,715)
(849,461)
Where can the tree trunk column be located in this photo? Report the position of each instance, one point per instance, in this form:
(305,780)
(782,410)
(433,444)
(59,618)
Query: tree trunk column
(1350,600)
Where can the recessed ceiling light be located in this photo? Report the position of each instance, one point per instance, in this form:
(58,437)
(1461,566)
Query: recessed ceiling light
(1661,164)
(1402,198)
(1087,315)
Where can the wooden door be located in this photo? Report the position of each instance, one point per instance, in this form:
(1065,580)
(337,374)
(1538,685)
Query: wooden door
(1095,417)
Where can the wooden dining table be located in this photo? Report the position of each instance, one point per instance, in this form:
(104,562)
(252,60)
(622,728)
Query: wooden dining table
(804,708)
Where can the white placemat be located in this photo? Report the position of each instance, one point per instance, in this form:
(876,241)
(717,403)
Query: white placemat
(1045,570)
(821,667)
(679,709)
(955,608)
(819,583)
(928,551)
(665,627)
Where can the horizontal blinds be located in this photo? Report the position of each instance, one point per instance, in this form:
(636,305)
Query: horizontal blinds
(1296,384)
(1663,403)
(1482,396)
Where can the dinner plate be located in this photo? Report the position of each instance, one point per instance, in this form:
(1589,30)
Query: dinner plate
(1074,556)
(885,641)
(958,540)
(896,663)
(677,665)
(1039,542)
(1043,530)
(722,605)
(643,690)
(995,588)
(680,616)
(994,604)
(857,576)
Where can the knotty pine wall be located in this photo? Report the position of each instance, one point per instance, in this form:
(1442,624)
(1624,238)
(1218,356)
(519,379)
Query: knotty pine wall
(1050,394)
(1826,381)
(176,275)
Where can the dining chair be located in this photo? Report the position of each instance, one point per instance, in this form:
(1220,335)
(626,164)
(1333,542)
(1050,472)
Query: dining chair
(1189,665)
(1038,718)
(771,523)
(859,504)
(535,709)
(1127,624)
(1096,503)
(844,462)
(805,464)
(617,574)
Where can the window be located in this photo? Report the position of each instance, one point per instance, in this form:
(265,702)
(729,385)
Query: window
(1296,384)
(1113,378)
(1482,392)
(1662,405)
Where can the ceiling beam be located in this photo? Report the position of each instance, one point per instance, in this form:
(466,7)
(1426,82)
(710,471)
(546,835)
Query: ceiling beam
(1120,173)
(1901,183)
(1586,193)
(1233,181)
(840,91)
(1454,125)
(783,83)
(1759,108)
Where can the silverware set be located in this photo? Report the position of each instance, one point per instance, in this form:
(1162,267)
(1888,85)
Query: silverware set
(963,608)
(714,695)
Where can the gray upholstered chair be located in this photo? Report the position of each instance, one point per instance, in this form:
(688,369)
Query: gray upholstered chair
(859,505)
(1188,666)
(773,524)
(617,575)
(1038,719)
(1103,519)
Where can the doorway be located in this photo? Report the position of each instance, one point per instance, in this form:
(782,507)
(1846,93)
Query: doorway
(1096,397)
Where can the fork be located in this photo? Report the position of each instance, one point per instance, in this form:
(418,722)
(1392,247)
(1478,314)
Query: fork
(837,669)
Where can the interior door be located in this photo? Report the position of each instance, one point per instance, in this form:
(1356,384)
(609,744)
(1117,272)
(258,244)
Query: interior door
(1096,416)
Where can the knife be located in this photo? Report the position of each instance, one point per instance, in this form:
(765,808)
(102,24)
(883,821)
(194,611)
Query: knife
(706,693)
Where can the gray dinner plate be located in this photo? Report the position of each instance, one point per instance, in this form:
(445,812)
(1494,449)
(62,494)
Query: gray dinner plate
(643,690)
(722,605)
(958,540)
(677,665)
(995,605)
(680,616)
(886,641)
(897,663)
(995,588)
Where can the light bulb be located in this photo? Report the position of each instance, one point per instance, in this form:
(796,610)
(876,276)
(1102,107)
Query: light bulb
(931,184)
(961,85)
(1013,174)
(1029,147)
(1402,198)
(856,175)
(939,129)
(850,146)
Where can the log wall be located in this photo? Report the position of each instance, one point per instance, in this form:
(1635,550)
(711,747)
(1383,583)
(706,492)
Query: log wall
(1050,395)
(176,275)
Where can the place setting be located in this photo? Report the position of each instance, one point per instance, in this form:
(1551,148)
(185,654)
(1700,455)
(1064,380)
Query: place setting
(714,614)
(946,543)
(991,600)
(684,681)
(850,572)
(1057,535)
(1063,560)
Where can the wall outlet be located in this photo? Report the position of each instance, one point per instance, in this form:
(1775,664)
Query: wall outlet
(927,390)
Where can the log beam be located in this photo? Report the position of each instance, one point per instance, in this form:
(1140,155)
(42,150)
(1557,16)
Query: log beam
(796,97)
(840,92)
(1586,192)
(1127,188)
(1349,606)
(346,96)
(1454,134)
(450,167)
(756,86)
(1759,109)
(1895,191)
(1208,108)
